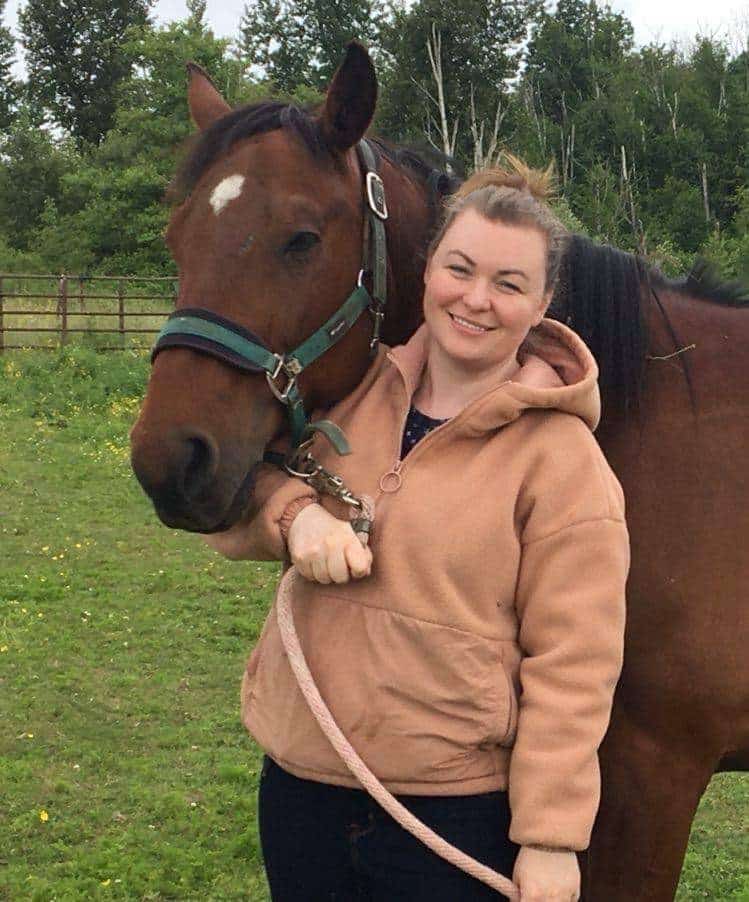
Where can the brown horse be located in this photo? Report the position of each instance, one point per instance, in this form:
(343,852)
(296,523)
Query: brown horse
(270,237)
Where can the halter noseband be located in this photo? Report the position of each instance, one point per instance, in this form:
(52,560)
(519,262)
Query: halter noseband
(210,333)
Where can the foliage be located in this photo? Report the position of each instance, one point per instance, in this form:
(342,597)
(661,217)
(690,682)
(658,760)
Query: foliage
(481,45)
(9,86)
(573,55)
(33,166)
(301,42)
(76,59)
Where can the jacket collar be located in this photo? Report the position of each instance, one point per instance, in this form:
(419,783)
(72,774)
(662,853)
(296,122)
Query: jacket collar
(557,371)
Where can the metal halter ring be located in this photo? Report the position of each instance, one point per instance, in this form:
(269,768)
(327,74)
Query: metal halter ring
(291,369)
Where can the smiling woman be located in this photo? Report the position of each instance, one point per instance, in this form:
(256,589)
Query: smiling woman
(495,569)
(489,279)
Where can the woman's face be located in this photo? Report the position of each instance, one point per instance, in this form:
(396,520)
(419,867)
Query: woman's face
(484,290)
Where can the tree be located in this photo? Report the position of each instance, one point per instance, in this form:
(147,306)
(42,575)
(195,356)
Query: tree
(480,45)
(300,42)
(32,166)
(9,87)
(196,8)
(76,59)
(573,54)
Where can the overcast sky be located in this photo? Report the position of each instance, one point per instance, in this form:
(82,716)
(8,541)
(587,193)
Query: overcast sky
(662,20)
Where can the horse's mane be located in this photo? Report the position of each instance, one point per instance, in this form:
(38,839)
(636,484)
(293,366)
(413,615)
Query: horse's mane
(269,115)
(600,295)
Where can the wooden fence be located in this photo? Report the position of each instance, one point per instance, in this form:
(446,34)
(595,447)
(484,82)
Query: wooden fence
(115,312)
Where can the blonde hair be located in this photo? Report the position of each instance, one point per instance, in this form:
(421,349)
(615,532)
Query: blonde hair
(514,195)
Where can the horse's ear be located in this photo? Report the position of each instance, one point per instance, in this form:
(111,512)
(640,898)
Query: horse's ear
(205,102)
(350,101)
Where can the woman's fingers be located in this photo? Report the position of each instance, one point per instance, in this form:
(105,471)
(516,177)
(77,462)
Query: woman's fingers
(320,570)
(325,549)
(359,559)
(337,565)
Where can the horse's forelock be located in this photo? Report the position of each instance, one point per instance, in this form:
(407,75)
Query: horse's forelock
(203,149)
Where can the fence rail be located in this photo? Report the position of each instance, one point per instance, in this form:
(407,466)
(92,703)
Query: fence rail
(23,311)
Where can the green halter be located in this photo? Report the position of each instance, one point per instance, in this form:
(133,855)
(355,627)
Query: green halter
(212,334)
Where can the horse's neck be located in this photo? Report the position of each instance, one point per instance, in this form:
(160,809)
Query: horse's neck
(408,228)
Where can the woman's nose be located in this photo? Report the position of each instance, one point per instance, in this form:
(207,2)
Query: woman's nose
(477,295)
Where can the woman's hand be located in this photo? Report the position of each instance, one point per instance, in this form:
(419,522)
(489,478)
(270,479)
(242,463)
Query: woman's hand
(326,549)
(547,876)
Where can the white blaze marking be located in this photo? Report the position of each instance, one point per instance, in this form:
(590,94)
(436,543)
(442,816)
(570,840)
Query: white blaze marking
(226,190)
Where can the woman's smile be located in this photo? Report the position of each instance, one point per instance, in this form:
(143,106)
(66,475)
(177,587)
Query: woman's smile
(469,327)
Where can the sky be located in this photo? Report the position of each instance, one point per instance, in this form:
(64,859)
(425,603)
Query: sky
(662,20)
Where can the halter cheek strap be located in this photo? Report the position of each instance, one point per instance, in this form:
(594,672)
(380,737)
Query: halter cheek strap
(210,333)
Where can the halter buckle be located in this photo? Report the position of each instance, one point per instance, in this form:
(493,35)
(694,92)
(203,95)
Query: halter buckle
(376,195)
(291,369)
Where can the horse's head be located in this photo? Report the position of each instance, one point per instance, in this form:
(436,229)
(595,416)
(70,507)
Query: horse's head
(269,238)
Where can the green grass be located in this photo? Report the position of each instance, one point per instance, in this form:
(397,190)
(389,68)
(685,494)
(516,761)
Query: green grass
(125,771)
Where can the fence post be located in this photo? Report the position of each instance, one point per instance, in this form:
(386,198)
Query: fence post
(2,320)
(62,307)
(121,310)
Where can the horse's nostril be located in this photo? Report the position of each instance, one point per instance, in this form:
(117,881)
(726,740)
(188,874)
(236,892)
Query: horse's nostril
(201,459)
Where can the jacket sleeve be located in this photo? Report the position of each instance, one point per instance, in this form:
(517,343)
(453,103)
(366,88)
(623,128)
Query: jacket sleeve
(571,604)
(261,534)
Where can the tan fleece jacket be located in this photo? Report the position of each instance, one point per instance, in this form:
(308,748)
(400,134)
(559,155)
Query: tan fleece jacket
(483,651)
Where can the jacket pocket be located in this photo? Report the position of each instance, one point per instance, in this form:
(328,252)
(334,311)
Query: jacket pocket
(504,727)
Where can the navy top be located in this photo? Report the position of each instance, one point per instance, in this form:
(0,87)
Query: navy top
(418,425)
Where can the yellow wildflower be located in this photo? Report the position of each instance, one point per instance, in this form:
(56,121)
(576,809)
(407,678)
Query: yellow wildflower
(43,816)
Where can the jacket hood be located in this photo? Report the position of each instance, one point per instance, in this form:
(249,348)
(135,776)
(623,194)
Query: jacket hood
(557,371)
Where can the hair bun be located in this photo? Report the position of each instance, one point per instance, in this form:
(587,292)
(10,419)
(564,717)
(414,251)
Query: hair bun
(539,183)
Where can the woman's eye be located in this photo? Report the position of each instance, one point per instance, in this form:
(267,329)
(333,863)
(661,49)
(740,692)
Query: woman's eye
(508,286)
(301,242)
(454,267)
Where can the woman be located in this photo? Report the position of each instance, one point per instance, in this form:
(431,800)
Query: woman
(473,661)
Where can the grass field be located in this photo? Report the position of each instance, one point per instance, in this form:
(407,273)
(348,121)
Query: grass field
(124,770)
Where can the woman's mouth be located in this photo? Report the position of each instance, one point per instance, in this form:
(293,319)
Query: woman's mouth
(467,326)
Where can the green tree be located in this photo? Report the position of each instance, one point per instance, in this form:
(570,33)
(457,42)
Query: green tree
(32,166)
(76,58)
(9,86)
(480,45)
(300,42)
(196,8)
(573,54)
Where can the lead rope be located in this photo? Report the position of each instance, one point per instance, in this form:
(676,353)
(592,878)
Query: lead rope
(363,517)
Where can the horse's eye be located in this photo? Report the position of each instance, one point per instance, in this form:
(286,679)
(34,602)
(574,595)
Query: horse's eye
(301,242)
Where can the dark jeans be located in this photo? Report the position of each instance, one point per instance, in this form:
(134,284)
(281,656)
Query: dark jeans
(325,843)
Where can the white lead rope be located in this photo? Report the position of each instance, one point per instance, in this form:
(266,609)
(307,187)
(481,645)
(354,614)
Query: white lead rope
(352,760)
